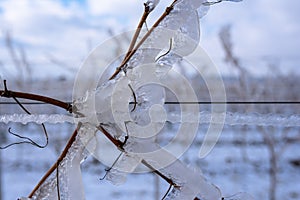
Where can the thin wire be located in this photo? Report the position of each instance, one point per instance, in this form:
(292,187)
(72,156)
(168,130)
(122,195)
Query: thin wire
(230,102)
(26,103)
(26,140)
(186,102)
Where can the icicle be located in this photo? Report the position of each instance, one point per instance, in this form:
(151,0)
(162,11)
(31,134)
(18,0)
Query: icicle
(239,196)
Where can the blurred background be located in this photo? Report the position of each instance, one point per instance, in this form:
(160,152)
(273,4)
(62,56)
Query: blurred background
(255,45)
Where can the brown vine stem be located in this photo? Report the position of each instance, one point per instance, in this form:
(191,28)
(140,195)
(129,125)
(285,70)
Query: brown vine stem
(13,94)
(54,167)
(138,30)
(139,44)
(134,39)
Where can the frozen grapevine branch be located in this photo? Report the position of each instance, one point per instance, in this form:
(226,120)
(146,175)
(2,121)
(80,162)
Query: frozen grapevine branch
(132,52)
(63,180)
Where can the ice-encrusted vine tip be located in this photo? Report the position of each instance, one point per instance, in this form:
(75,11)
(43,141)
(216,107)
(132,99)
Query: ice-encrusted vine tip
(151,4)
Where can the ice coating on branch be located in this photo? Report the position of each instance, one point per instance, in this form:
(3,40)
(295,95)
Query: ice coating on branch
(232,119)
(239,196)
(47,190)
(36,118)
(146,99)
(125,165)
(152,4)
(208,3)
(182,26)
(202,10)
(69,172)
(189,182)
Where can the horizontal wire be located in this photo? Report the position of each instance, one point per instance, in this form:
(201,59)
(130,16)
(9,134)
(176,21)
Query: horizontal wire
(236,102)
(184,102)
(26,103)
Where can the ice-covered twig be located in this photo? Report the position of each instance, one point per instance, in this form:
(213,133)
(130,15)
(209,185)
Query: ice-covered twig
(68,180)
(36,118)
(139,44)
(147,10)
(231,119)
(54,167)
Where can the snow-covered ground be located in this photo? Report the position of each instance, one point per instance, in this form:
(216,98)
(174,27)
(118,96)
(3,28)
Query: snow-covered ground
(238,163)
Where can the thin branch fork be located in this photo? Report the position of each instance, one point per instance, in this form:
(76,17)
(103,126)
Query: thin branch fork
(138,30)
(139,44)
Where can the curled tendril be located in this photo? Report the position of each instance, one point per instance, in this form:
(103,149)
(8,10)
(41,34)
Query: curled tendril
(26,140)
(170,48)
(134,98)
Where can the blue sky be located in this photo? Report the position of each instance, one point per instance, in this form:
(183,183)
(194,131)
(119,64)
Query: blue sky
(264,31)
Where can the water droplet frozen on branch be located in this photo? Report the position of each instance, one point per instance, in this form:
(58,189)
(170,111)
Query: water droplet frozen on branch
(152,4)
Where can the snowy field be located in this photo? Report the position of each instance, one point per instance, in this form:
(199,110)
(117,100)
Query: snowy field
(238,163)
